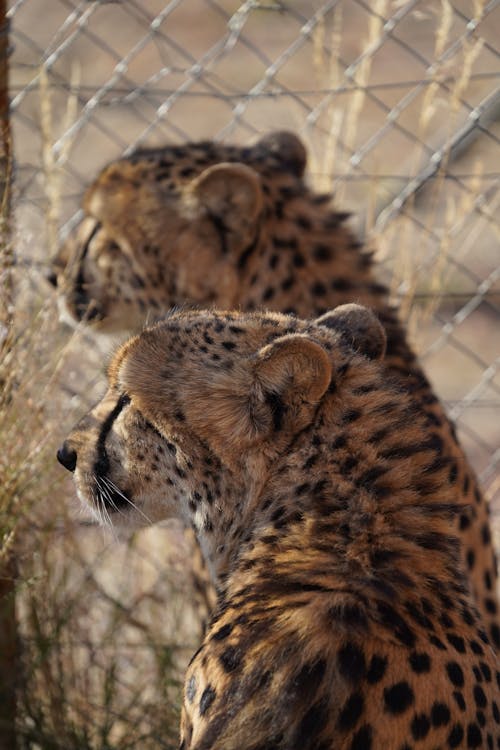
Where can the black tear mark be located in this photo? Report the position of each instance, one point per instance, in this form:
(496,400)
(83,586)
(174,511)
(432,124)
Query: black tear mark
(101,466)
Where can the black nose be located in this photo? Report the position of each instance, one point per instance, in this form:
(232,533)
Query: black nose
(67,457)
(52,278)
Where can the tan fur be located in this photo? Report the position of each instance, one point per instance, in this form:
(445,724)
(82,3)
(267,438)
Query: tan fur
(322,503)
(215,224)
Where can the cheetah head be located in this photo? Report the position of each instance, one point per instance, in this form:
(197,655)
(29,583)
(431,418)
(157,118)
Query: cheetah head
(166,227)
(203,406)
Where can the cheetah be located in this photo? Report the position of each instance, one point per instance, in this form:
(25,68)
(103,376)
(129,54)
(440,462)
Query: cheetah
(321,501)
(234,227)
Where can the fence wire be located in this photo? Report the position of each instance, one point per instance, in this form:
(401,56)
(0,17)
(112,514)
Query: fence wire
(408,91)
(398,103)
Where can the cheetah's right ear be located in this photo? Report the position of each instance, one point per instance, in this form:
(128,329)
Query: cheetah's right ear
(230,192)
(286,148)
(293,371)
(358,327)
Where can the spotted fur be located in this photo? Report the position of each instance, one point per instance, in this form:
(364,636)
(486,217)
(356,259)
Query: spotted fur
(321,499)
(238,228)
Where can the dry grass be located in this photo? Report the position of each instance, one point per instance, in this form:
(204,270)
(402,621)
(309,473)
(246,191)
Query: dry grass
(104,628)
(96,660)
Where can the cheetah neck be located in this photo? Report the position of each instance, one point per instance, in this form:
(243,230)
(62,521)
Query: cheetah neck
(222,532)
(339,507)
(307,261)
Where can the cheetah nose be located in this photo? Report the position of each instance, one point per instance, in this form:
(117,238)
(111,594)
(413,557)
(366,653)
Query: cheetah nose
(52,278)
(67,456)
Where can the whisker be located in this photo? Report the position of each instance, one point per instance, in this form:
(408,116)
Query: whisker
(108,499)
(105,498)
(116,489)
(94,507)
(107,495)
(113,487)
(102,509)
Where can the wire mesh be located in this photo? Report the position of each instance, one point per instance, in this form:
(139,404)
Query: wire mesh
(398,103)
(411,88)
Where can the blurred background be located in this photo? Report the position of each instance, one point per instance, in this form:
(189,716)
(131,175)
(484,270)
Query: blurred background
(398,103)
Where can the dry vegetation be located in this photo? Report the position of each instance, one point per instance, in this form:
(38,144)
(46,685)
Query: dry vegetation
(95,661)
(89,661)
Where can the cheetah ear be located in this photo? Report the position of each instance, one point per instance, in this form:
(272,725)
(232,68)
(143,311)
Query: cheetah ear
(229,192)
(358,327)
(287,148)
(294,371)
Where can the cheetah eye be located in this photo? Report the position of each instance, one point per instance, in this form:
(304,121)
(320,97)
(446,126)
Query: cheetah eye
(108,249)
(89,242)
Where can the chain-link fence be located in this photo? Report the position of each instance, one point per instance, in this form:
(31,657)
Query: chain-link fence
(398,104)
